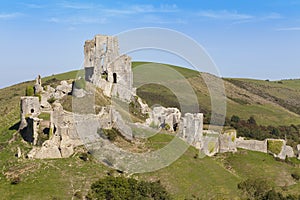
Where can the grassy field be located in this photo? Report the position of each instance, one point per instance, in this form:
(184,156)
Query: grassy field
(188,177)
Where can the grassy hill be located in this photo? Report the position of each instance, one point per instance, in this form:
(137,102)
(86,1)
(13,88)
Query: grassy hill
(188,177)
(271,103)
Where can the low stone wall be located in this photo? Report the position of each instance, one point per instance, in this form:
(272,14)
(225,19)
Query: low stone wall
(253,145)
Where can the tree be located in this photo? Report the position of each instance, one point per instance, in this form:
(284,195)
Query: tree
(251,121)
(235,119)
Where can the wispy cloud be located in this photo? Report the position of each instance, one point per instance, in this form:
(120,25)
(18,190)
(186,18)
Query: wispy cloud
(289,29)
(132,9)
(224,15)
(76,5)
(272,15)
(148,8)
(33,6)
(140,9)
(260,18)
(102,14)
(7,16)
(78,20)
(160,20)
(238,18)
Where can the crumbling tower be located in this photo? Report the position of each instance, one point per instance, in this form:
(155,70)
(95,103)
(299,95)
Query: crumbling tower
(106,68)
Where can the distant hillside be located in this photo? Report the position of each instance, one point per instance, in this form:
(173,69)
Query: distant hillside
(271,103)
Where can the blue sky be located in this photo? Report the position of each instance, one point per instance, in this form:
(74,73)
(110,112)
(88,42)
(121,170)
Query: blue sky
(249,38)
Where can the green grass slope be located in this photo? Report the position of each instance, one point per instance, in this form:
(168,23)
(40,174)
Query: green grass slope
(188,177)
(285,93)
(245,97)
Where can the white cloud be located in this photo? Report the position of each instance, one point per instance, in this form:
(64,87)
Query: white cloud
(224,15)
(140,9)
(160,20)
(289,29)
(272,16)
(101,14)
(78,20)
(76,6)
(34,6)
(238,18)
(6,16)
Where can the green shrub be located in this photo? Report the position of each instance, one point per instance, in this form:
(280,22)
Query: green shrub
(127,188)
(44,116)
(235,119)
(254,188)
(51,100)
(50,133)
(29,91)
(53,82)
(67,103)
(39,96)
(136,110)
(111,134)
(104,76)
(211,147)
(252,121)
(274,146)
(233,138)
(167,127)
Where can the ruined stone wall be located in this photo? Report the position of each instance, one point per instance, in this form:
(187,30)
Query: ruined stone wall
(99,52)
(30,107)
(253,145)
(286,151)
(105,68)
(210,143)
(190,129)
(161,117)
(119,124)
(227,141)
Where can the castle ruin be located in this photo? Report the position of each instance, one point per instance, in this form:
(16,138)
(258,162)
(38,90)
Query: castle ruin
(105,68)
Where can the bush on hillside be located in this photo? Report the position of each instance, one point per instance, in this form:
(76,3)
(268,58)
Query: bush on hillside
(127,188)
(254,188)
(29,91)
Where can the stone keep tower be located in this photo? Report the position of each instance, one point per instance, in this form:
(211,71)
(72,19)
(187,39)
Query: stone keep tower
(30,107)
(106,68)
(190,129)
